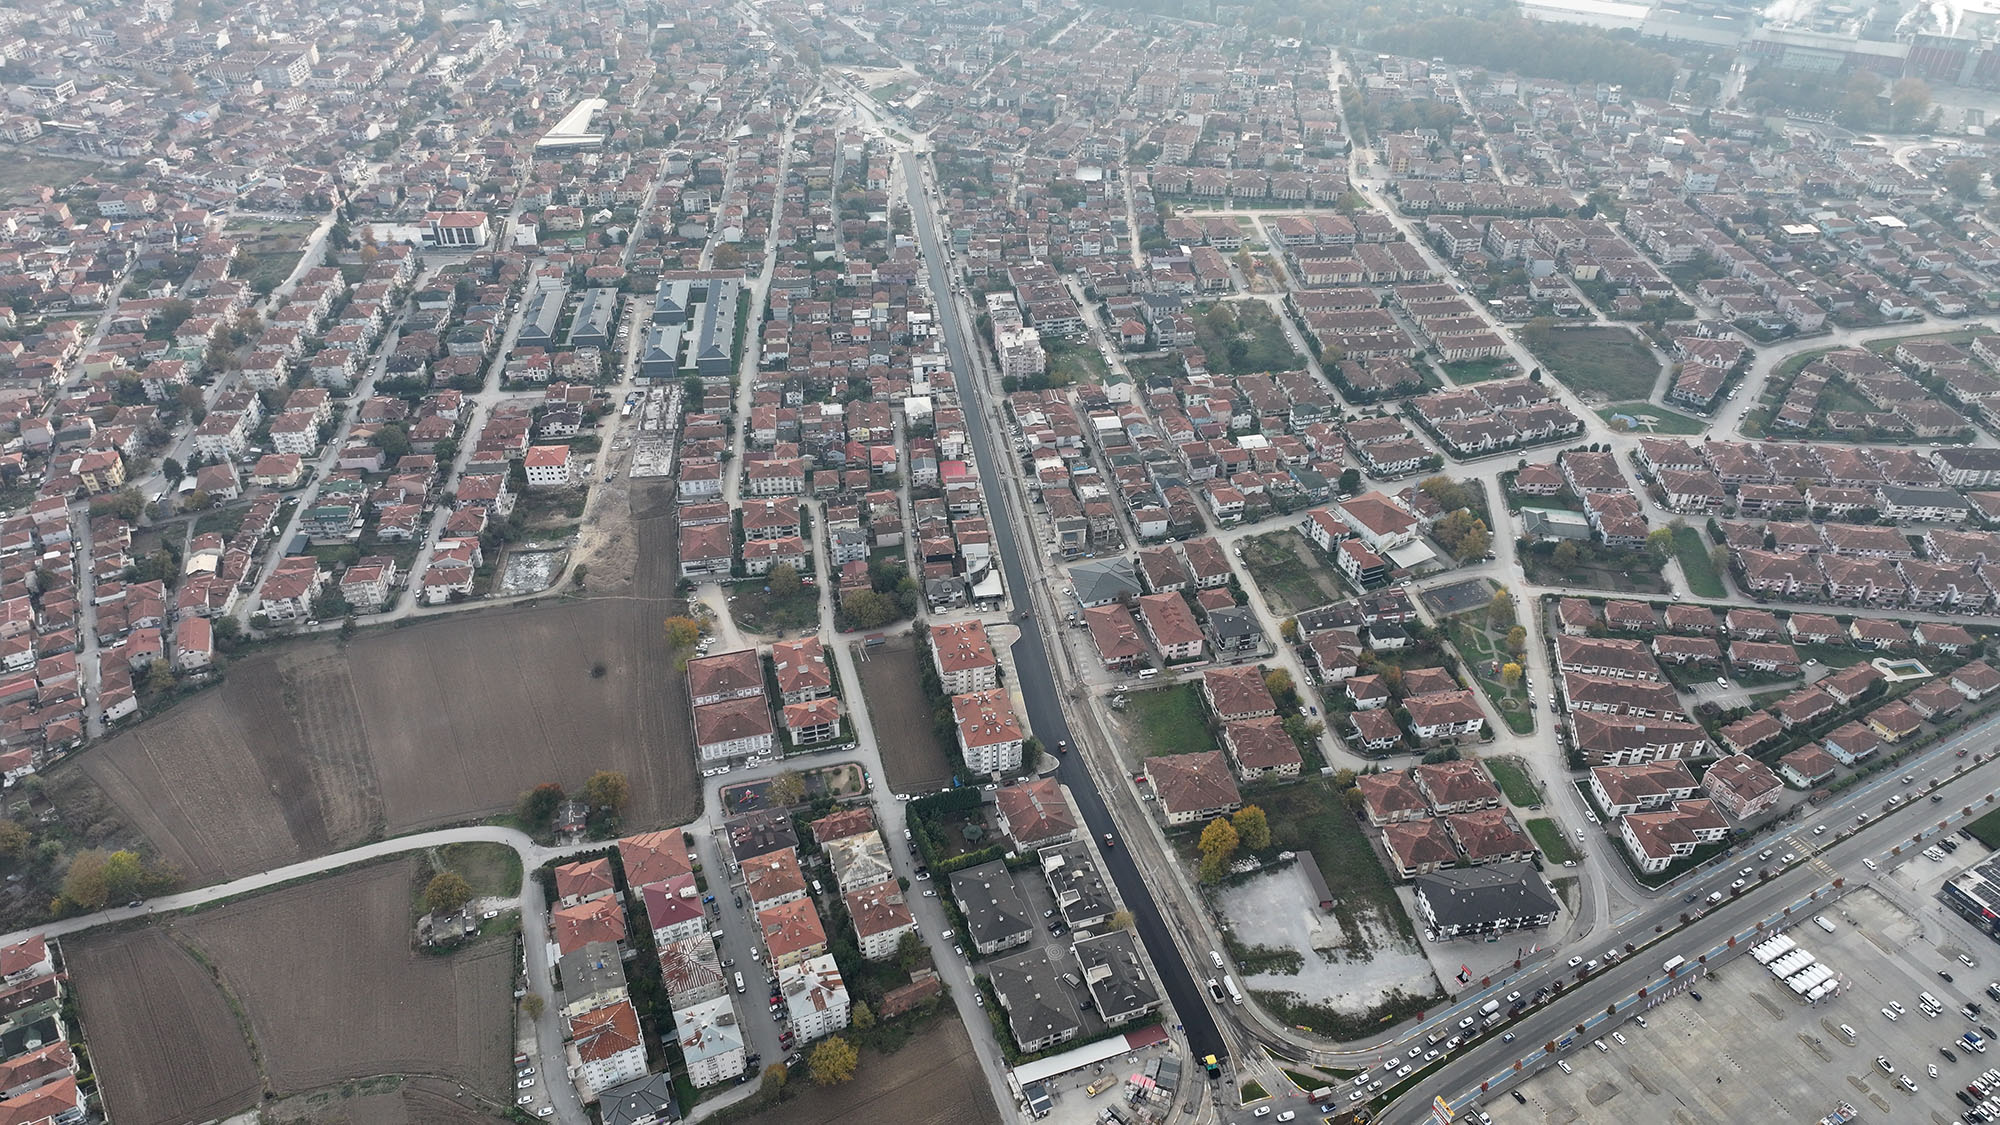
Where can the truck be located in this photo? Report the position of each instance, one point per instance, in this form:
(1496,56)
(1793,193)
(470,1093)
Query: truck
(1321,1094)
(1099,1086)
(1235,994)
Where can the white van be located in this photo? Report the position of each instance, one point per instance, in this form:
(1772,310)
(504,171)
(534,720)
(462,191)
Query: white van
(1215,957)
(739,982)
(1820,921)
(1148,673)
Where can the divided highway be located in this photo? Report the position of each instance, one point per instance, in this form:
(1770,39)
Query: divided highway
(1032,660)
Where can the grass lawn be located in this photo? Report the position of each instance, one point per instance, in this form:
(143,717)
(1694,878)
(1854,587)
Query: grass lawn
(1610,362)
(1311,815)
(1654,419)
(492,869)
(755,610)
(1597,568)
(1073,363)
(1169,721)
(1513,779)
(1287,573)
(1485,651)
(1835,656)
(1986,829)
(1165,365)
(1253,1091)
(1703,580)
(1478,370)
(1243,337)
(1549,837)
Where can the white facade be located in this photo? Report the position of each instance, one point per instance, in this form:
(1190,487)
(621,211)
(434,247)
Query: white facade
(815,997)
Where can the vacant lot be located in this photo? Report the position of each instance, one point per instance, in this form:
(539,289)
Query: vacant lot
(1287,573)
(1604,364)
(1167,721)
(318,746)
(1511,775)
(937,1084)
(912,756)
(1311,816)
(389,1100)
(1241,337)
(17,175)
(166,1046)
(333,991)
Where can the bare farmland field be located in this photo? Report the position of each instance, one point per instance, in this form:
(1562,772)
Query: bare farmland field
(316,746)
(333,990)
(166,1047)
(936,1084)
(911,753)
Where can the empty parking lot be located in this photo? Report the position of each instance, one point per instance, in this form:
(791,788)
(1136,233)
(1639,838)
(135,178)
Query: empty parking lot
(1750,1050)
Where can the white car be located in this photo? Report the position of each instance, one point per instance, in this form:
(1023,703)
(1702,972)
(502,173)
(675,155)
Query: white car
(1575,961)
(1891,1014)
(1262,1111)
(1403,1071)
(1620,1037)
(1870,865)
(524,1083)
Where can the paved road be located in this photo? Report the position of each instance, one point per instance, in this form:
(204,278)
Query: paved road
(1032,659)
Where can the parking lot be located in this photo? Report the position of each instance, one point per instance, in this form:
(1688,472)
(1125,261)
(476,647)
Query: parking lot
(1751,1050)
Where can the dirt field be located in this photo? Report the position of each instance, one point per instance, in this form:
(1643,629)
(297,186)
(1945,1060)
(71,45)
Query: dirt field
(166,1047)
(936,1083)
(315,747)
(388,1101)
(911,755)
(334,991)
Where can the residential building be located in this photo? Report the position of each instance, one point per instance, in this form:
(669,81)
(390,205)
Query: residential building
(1479,902)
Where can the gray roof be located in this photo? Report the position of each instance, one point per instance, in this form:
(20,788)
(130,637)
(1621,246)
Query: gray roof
(643,1099)
(1077,884)
(1036,998)
(1234,622)
(1117,978)
(1102,581)
(593,968)
(1472,896)
(539,319)
(994,910)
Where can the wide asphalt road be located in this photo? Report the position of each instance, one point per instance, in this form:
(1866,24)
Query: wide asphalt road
(1822,860)
(1032,660)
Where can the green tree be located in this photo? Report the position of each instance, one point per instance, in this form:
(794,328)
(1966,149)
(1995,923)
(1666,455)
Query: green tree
(607,789)
(1119,920)
(682,632)
(1718,557)
(787,788)
(1565,555)
(1289,630)
(1344,778)
(861,1015)
(14,839)
(1510,673)
(532,1005)
(910,951)
(172,471)
(1961,178)
(538,806)
(1660,543)
(783,581)
(867,609)
(1354,799)
(160,676)
(1500,611)
(446,892)
(1252,827)
(832,1062)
